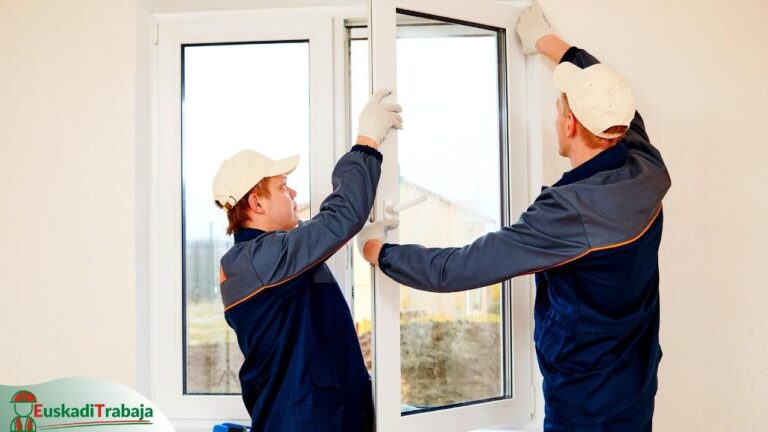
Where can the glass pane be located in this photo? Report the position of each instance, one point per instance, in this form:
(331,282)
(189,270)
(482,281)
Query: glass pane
(237,96)
(448,84)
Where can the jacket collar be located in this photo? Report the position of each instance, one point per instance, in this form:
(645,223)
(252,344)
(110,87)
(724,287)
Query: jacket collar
(246,234)
(612,158)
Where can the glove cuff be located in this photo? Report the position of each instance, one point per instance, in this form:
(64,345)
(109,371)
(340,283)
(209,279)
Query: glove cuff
(368,150)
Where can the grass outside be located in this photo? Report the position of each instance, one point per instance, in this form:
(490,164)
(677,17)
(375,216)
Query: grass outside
(206,324)
(443,361)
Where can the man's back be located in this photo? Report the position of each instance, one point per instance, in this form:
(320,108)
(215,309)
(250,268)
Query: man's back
(597,335)
(597,316)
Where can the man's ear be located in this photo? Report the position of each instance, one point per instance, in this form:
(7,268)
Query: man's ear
(571,126)
(254,204)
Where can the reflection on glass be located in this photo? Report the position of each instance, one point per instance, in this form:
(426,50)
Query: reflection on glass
(239,96)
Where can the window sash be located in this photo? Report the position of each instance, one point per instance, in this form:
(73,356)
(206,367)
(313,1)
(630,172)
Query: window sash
(519,407)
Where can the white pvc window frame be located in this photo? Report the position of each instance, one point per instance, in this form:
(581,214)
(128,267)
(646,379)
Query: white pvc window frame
(330,139)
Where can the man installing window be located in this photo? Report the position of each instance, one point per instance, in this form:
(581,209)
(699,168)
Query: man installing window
(303,369)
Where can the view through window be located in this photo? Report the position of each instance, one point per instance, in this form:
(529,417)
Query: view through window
(235,97)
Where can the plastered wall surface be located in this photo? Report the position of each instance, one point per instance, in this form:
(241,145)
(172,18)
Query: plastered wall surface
(699,73)
(66,201)
(68,143)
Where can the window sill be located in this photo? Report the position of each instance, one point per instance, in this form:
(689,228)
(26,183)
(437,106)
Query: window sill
(207,426)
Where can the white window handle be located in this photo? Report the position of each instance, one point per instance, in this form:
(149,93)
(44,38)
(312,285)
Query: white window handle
(394,209)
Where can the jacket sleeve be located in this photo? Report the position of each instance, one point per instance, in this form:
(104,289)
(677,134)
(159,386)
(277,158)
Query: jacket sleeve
(548,234)
(637,139)
(283,255)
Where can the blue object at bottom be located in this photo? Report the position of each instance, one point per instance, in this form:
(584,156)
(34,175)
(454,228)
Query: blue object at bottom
(230,427)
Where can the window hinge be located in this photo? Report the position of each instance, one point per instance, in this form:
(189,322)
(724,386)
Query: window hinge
(157,34)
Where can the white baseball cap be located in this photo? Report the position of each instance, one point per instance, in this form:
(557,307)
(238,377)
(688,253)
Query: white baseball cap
(599,96)
(243,171)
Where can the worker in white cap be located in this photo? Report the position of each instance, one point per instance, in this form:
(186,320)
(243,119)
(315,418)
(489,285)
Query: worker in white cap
(592,241)
(303,368)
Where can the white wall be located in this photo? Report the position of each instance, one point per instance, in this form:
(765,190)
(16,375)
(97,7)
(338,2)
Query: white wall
(66,189)
(699,73)
(67,149)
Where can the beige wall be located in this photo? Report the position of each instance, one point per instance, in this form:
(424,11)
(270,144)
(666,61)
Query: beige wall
(67,146)
(66,189)
(699,73)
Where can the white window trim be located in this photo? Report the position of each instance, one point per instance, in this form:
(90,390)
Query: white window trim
(159,235)
(165,278)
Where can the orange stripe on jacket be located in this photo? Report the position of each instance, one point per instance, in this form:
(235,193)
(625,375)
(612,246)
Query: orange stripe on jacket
(226,308)
(610,246)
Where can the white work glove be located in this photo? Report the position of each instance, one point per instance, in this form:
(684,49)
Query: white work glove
(532,26)
(375,231)
(378,118)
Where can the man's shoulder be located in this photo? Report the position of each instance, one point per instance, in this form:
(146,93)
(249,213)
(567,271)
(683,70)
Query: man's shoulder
(259,244)
(614,206)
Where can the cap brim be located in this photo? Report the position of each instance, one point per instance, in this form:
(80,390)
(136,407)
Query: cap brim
(564,75)
(283,166)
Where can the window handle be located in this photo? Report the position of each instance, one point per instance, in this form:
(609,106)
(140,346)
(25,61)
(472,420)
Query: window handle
(394,209)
